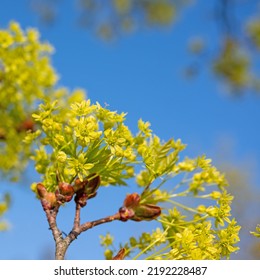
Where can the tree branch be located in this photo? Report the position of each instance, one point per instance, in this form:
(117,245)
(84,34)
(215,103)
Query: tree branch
(78,229)
(88,225)
(60,244)
(51,217)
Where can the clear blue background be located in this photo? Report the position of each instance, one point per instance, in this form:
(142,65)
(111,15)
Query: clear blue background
(140,74)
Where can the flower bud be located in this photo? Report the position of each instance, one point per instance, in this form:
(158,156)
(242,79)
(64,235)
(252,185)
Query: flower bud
(108,254)
(133,210)
(26,125)
(92,185)
(61,157)
(41,190)
(88,187)
(64,193)
(49,201)
(78,185)
(132,200)
(146,212)
(66,189)
(81,198)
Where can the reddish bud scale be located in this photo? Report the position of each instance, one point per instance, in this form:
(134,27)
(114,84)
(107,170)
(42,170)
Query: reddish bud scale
(133,210)
(147,212)
(26,125)
(66,189)
(62,198)
(64,193)
(41,190)
(92,185)
(49,201)
(132,200)
(81,199)
(80,185)
(86,189)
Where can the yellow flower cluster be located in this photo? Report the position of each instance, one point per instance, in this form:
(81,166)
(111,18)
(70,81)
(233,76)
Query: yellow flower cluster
(26,76)
(160,158)
(208,176)
(4,204)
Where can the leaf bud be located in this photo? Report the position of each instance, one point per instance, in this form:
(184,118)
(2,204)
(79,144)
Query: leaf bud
(49,201)
(132,200)
(26,125)
(64,193)
(92,185)
(66,189)
(89,185)
(81,198)
(146,212)
(41,190)
(78,185)
(133,210)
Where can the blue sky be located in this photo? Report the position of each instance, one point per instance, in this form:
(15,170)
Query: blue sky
(140,74)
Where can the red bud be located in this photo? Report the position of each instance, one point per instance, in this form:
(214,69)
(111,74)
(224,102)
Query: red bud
(86,189)
(92,185)
(132,200)
(66,189)
(41,190)
(81,198)
(146,212)
(26,125)
(80,185)
(64,193)
(133,210)
(49,201)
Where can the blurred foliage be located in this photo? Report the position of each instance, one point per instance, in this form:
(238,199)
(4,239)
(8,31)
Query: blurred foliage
(4,205)
(243,185)
(231,57)
(25,77)
(228,57)
(246,201)
(256,233)
(232,65)
(46,9)
(196,45)
(114,17)
(109,19)
(253,29)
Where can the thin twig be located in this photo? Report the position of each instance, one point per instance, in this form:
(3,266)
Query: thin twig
(77,217)
(89,225)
